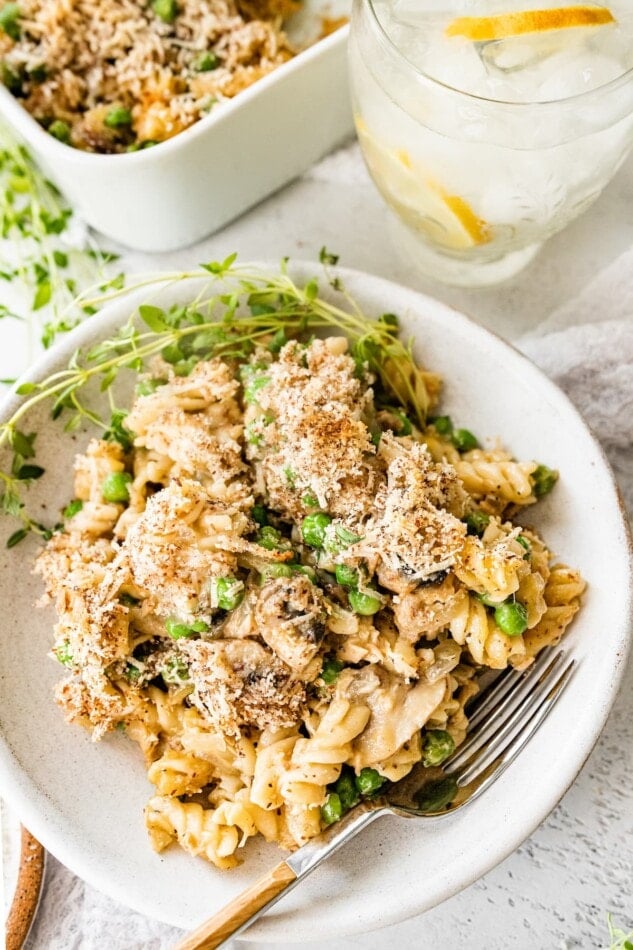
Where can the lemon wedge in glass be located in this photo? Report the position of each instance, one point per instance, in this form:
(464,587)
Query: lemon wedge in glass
(422,202)
(486,28)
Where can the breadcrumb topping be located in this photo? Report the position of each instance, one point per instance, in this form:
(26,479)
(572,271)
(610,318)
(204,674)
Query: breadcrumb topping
(241,683)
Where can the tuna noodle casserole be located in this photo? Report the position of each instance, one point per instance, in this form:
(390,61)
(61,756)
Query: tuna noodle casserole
(118,75)
(285,589)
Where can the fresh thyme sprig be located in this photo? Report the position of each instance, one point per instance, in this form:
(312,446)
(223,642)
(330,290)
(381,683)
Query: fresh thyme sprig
(619,939)
(45,265)
(239,308)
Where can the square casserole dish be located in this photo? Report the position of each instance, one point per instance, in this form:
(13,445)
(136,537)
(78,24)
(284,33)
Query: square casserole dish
(174,194)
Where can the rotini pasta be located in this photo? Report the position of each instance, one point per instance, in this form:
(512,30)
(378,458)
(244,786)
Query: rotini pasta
(286,586)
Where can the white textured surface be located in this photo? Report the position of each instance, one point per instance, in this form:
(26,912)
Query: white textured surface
(554,892)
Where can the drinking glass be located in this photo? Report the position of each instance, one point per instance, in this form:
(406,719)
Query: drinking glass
(478,183)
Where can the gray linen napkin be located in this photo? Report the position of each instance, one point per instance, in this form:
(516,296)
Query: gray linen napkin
(592,361)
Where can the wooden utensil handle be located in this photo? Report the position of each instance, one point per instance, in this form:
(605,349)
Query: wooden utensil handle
(27,891)
(220,927)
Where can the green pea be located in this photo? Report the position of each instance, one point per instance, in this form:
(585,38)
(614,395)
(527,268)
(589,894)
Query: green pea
(118,118)
(438,745)
(464,440)
(437,795)
(369,781)
(9,16)
(332,810)
(443,425)
(346,576)
(73,508)
(276,570)
(259,514)
(271,539)
(229,592)
(199,626)
(477,522)
(543,480)
(310,501)
(132,673)
(115,487)
(313,528)
(346,790)
(206,62)
(180,631)
(511,618)
(364,604)
(167,10)
(331,670)
(60,131)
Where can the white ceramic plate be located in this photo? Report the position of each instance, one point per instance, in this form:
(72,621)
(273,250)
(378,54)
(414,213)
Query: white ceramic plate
(84,801)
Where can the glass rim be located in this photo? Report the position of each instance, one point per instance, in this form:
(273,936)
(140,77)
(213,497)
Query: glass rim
(474,97)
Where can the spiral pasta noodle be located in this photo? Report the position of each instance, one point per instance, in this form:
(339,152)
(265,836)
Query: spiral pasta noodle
(286,589)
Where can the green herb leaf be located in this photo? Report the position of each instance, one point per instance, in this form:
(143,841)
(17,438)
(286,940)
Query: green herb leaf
(17,536)
(154,317)
(73,508)
(29,472)
(42,295)
(22,444)
(326,258)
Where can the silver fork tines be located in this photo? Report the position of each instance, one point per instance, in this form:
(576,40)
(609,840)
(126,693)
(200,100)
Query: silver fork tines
(506,682)
(513,721)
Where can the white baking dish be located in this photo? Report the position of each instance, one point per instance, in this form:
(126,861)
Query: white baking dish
(166,197)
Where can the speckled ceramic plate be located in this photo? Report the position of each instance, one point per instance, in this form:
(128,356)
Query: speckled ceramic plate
(84,801)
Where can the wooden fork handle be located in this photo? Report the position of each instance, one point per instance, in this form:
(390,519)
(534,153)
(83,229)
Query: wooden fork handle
(257,898)
(27,892)
(223,925)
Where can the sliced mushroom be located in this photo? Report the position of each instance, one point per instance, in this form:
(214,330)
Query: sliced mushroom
(290,618)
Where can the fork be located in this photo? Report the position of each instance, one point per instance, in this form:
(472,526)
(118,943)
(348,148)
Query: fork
(504,719)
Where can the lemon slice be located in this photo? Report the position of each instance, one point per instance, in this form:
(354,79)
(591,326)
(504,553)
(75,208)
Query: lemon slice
(485,28)
(422,202)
